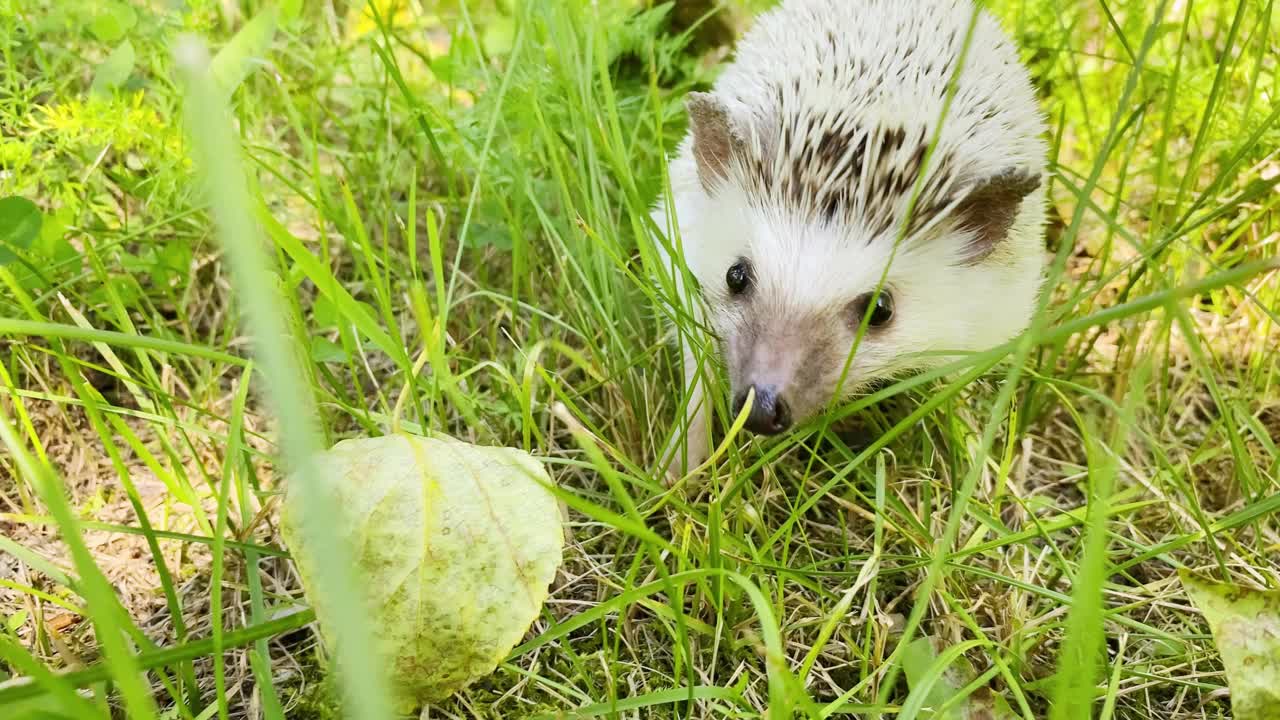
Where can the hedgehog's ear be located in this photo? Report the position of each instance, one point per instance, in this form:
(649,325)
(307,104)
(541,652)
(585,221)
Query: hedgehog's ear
(990,207)
(715,138)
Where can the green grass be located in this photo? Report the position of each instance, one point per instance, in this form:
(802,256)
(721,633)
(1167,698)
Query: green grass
(453,203)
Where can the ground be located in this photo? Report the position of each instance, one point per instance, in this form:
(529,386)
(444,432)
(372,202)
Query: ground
(457,194)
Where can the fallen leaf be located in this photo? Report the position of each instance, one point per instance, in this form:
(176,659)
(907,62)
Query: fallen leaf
(1246,629)
(458,544)
(62,623)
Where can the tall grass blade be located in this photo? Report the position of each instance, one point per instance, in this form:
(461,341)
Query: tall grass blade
(363,679)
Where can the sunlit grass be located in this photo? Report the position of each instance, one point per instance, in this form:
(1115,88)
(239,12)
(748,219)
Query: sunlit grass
(453,204)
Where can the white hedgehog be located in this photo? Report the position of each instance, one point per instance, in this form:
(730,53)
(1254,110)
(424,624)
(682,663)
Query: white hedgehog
(793,185)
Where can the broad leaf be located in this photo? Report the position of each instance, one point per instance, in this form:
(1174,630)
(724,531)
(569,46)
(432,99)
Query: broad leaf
(457,543)
(113,21)
(290,9)
(324,350)
(1246,629)
(115,70)
(20,222)
(237,58)
(938,685)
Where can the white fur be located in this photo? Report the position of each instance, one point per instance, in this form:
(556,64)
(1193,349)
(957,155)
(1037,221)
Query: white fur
(903,53)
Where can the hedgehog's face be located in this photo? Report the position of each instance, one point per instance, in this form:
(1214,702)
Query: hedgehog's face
(810,314)
(796,332)
(793,360)
(795,253)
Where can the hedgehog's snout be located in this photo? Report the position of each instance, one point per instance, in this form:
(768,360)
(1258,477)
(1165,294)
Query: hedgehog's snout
(769,414)
(777,361)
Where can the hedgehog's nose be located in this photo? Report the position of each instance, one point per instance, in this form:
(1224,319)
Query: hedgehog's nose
(769,413)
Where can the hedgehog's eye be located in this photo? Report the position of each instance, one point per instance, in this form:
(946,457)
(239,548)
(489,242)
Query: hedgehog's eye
(738,278)
(881,314)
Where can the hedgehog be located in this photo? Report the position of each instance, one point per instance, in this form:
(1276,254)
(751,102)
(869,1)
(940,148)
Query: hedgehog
(859,196)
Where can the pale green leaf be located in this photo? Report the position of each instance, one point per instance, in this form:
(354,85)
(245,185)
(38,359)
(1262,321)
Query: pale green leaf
(53,244)
(920,665)
(16,621)
(324,350)
(113,21)
(20,222)
(1246,628)
(459,544)
(289,9)
(115,70)
(245,51)
(917,657)
(499,36)
(324,312)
